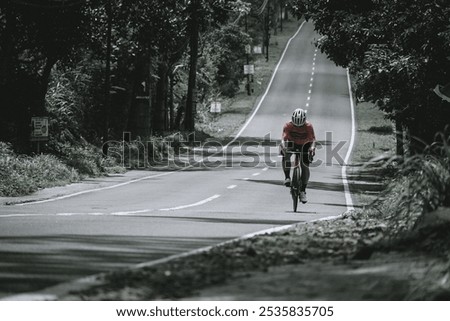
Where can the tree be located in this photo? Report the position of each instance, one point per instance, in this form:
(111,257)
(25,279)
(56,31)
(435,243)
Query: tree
(397,51)
(34,36)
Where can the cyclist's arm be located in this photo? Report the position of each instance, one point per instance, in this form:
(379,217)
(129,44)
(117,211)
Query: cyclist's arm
(312,149)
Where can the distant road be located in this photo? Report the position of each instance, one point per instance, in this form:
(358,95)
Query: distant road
(43,244)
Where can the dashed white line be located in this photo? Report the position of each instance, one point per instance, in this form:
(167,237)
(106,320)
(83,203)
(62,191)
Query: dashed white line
(256,174)
(232,186)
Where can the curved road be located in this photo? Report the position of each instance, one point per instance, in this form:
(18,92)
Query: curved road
(165,213)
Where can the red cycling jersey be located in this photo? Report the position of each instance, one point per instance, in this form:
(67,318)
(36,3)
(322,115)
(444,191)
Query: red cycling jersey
(299,135)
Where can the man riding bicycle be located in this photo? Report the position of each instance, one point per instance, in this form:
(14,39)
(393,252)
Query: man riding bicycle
(298,135)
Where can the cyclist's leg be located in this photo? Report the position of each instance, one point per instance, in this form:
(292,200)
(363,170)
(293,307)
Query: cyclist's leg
(305,166)
(305,176)
(286,164)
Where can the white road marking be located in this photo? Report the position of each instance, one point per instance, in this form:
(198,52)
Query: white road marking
(348,195)
(265,169)
(95,190)
(132,212)
(256,174)
(209,199)
(232,186)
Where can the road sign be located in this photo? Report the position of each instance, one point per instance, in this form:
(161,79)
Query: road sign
(249,69)
(248,49)
(39,129)
(216,107)
(257,49)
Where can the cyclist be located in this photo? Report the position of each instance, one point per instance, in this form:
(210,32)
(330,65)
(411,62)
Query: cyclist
(298,134)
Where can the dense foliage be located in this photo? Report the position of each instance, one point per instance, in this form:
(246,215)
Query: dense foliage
(98,68)
(398,52)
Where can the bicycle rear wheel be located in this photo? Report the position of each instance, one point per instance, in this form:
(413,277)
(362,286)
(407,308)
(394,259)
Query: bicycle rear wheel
(295,188)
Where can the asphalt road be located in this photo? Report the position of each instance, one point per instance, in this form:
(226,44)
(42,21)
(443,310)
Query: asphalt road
(224,197)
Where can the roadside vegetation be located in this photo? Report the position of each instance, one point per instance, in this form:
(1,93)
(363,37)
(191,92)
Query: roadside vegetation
(109,81)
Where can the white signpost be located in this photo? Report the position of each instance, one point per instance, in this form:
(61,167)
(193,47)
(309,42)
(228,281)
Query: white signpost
(257,50)
(216,107)
(249,69)
(39,130)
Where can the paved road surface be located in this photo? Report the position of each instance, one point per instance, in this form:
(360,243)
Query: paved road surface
(165,213)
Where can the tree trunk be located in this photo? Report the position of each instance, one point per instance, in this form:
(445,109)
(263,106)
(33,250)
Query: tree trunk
(170,101)
(8,46)
(191,99)
(40,108)
(159,110)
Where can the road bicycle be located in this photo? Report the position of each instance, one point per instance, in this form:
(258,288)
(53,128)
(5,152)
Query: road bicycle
(296,183)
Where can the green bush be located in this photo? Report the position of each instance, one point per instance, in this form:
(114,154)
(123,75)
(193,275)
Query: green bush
(421,186)
(22,175)
(87,160)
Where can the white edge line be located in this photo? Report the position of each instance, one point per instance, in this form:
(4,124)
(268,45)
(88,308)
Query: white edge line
(267,89)
(348,195)
(207,200)
(93,190)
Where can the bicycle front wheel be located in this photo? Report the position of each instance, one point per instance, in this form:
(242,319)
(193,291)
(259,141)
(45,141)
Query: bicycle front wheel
(295,188)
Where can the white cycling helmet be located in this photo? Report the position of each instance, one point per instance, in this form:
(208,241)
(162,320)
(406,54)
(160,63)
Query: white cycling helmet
(299,117)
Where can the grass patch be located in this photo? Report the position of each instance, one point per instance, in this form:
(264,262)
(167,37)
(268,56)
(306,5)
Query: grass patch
(375,134)
(23,175)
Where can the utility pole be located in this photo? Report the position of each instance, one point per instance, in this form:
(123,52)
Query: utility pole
(281,15)
(191,99)
(107,103)
(267,31)
(247,53)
